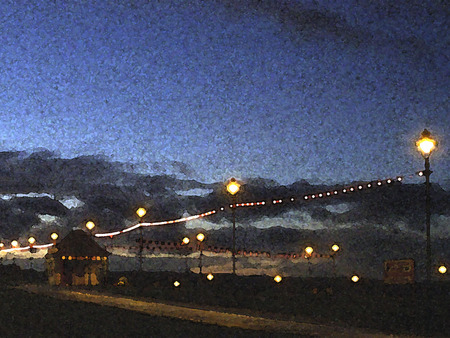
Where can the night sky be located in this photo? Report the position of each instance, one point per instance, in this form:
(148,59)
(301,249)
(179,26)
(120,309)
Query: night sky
(327,91)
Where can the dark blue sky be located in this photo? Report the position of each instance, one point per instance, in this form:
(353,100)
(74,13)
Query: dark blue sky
(321,90)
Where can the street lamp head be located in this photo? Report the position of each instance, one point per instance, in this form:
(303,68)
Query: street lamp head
(309,250)
(355,279)
(31,240)
(277,278)
(200,237)
(233,186)
(15,244)
(210,276)
(335,248)
(54,236)
(185,240)
(141,212)
(426,144)
(90,225)
(442,269)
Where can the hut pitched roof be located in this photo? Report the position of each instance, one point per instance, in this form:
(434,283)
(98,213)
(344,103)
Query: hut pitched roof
(79,243)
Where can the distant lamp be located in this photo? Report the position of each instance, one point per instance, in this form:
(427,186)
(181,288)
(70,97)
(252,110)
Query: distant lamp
(210,276)
(335,248)
(309,250)
(15,244)
(141,212)
(185,241)
(442,269)
(54,236)
(355,279)
(90,225)
(1,246)
(277,278)
(200,237)
(31,240)
(176,283)
(233,186)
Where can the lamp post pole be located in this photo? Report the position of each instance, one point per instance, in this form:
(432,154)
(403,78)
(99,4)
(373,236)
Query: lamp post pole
(141,248)
(233,250)
(427,174)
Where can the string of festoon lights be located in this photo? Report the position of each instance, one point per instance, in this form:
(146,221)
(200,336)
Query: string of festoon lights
(343,190)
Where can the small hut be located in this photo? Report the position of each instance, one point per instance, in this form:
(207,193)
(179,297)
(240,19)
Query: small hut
(77,260)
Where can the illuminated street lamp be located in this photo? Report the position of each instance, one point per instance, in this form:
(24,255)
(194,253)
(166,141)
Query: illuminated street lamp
(200,239)
(334,248)
(355,279)
(90,225)
(31,241)
(185,241)
(442,269)
(210,276)
(54,236)
(233,189)
(308,252)
(277,278)
(426,145)
(141,213)
(15,244)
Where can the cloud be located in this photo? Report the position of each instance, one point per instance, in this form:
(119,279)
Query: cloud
(194,192)
(340,208)
(440,226)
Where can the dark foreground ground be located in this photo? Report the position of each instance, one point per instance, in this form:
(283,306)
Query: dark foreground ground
(410,309)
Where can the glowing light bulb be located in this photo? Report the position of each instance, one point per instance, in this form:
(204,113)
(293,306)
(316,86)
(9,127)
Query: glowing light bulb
(355,279)
(335,248)
(233,186)
(210,276)
(141,212)
(277,278)
(442,269)
(90,225)
(176,283)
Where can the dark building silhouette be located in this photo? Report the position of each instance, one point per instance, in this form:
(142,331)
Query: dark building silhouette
(77,260)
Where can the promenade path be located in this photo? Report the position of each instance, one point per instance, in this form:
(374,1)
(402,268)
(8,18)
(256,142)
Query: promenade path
(218,316)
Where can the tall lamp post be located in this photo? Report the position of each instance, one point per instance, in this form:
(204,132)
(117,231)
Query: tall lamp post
(186,241)
(426,145)
(334,248)
(200,239)
(54,236)
(141,213)
(233,188)
(309,250)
